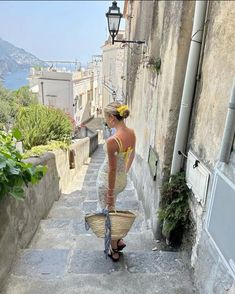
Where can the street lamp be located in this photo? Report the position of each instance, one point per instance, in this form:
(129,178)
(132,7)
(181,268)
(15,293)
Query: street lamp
(114,17)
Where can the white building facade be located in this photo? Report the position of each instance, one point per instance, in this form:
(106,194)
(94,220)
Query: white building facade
(54,89)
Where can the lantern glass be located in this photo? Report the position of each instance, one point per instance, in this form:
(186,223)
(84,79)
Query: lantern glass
(113,23)
(114,17)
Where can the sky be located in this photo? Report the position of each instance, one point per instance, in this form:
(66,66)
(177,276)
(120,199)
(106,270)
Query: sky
(56,30)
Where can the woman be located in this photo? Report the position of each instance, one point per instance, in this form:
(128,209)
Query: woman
(120,151)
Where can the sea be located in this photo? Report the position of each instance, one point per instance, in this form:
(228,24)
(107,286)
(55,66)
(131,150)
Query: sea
(15,80)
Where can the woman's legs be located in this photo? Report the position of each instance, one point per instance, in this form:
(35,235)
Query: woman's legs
(121,245)
(116,245)
(115,255)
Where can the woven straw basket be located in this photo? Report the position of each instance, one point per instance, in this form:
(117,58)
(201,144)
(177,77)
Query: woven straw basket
(121,222)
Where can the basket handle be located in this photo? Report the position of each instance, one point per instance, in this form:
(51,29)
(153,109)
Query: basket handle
(115,211)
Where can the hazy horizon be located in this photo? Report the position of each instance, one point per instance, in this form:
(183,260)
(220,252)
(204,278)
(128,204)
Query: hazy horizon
(56,30)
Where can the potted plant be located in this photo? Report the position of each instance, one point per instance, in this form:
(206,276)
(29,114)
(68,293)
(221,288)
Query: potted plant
(174,211)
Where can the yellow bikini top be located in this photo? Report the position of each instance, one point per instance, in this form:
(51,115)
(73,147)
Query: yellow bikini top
(125,153)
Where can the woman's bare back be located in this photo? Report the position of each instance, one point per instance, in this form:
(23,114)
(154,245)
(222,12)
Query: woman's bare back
(127,137)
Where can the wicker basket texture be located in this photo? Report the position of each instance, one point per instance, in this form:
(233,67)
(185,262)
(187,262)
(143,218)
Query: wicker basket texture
(121,223)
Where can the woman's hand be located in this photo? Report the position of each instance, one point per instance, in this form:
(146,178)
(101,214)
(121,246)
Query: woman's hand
(110,202)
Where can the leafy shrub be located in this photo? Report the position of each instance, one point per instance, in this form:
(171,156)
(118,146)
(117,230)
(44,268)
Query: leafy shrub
(11,101)
(40,124)
(14,173)
(51,146)
(23,97)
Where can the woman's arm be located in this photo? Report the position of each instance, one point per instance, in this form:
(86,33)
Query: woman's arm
(112,148)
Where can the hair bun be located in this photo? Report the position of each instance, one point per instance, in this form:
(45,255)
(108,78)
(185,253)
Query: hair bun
(126,113)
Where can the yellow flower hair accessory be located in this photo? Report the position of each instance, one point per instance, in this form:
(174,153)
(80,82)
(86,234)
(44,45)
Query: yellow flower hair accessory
(122,109)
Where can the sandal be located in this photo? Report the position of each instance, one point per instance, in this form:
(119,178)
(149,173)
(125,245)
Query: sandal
(120,247)
(112,252)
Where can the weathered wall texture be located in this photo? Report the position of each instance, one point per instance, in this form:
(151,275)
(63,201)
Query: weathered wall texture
(154,99)
(207,127)
(19,219)
(218,72)
(112,70)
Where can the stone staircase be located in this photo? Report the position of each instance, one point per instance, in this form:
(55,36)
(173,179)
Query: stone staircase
(65,258)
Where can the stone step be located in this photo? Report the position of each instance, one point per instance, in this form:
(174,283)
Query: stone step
(58,262)
(117,282)
(63,257)
(59,210)
(74,199)
(59,233)
(66,228)
(69,234)
(76,271)
(97,161)
(90,206)
(90,193)
(135,242)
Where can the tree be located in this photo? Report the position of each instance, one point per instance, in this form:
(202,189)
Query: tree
(10,103)
(23,97)
(5,108)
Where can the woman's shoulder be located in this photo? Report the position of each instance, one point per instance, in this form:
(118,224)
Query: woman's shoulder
(131,132)
(111,143)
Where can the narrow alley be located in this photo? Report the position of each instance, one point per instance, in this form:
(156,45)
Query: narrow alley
(65,258)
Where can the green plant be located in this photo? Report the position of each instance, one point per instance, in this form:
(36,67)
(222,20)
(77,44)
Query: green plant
(24,97)
(154,64)
(40,124)
(174,209)
(41,149)
(14,172)
(38,67)
(10,102)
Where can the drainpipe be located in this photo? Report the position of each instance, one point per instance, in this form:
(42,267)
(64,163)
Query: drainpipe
(229,130)
(189,85)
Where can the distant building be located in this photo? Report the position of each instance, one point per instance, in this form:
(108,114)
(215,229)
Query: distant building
(96,69)
(113,59)
(87,90)
(54,88)
(82,85)
(78,93)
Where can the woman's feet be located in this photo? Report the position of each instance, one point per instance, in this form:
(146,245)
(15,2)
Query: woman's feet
(120,245)
(114,254)
(115,247)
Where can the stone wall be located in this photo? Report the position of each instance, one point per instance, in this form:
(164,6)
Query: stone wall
(154,99)
(218,72)
(19,219)
(94,138)
(206,132)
